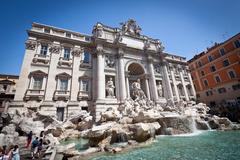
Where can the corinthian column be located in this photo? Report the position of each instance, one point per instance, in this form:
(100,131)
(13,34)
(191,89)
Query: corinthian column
(152,80)
(127,85)
(184,84)
(168,90)
(51,80)
(191,82)
(121,74)
(100,74)
(174,85)
(76,54)
(147,87)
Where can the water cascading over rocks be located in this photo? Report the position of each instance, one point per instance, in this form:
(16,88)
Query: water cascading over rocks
(134,121)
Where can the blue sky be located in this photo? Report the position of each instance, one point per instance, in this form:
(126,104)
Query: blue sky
(185,27)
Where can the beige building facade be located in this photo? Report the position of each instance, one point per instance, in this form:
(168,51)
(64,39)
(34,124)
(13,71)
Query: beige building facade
(7,90)
(65,71)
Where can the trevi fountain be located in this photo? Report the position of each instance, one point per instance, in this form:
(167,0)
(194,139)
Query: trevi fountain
(126,100)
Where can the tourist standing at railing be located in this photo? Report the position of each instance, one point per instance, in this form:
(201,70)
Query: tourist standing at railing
(29,139)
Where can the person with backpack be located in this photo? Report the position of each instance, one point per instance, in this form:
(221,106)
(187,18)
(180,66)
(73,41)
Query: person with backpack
(39,147)
(34,147)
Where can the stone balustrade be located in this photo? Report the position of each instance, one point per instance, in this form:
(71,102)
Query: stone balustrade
(34,94)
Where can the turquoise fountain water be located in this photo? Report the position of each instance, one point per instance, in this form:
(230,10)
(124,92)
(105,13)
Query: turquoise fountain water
(81,144)
(209,145)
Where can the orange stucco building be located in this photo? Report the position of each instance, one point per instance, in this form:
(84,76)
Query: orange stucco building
(216,73)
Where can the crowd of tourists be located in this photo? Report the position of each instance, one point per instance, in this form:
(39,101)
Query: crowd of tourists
(35,145)
(9,153)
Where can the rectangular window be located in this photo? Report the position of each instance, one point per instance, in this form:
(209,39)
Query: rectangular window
(85,85)
(236,87)
(37,83)
(44,49)
(68,35)
(210,58)
(221,90)
(237,44)
(217,78)
(63,84)
(212,69)
(46,30)
(66,55)
(222,52)
(231,74)
(202,73)
(205,83)
(198,95)
(209,93)
(86,58)
(199,63)
(225,63)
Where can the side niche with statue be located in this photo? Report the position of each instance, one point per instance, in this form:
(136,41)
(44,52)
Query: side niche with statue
(159,89)
(110,88)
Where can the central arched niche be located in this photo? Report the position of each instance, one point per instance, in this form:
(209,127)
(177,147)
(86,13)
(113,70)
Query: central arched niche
(136,71)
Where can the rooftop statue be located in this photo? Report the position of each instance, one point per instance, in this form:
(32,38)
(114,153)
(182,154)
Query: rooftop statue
(98,30)
(130,27)
(159,46)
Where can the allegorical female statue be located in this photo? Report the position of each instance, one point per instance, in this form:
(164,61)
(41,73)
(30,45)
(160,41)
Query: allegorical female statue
(110,88)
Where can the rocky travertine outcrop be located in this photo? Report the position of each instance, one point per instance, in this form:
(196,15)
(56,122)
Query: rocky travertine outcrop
(133,122)
(144,131)
(9,135)
(202,125)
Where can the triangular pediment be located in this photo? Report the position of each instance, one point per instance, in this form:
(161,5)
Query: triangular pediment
(6,81)
(63,75)
(38,73)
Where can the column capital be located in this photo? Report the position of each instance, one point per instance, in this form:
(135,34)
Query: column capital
(146,76)
(99,50)
(54,48)
(120,53)
(150,59)
(179,67)
(127,73)
(30,44)
(164,62)
(77,51)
